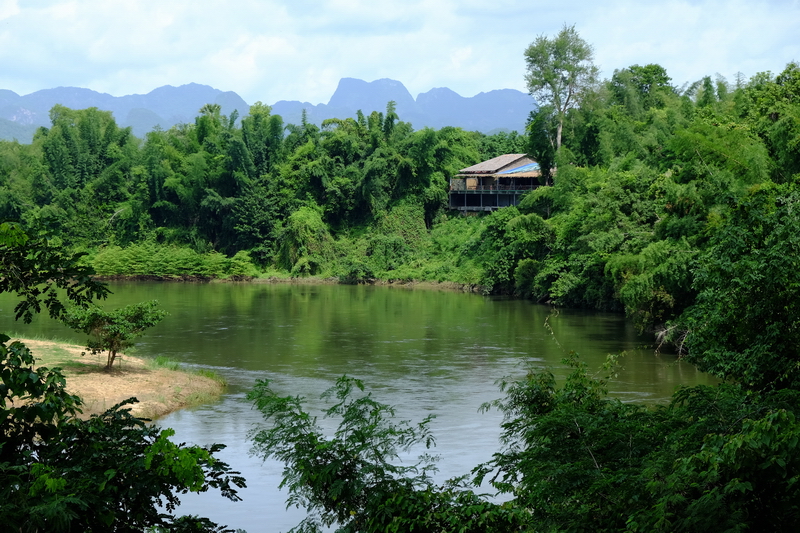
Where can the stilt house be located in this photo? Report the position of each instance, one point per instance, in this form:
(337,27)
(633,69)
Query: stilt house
(496,183)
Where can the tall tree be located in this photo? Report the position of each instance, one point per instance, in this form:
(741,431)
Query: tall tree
(560,70)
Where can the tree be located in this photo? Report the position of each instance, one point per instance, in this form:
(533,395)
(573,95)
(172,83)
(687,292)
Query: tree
(715,459)
(59,473)
(113,331)
(639,88)
(541,144)
(35,269)
(350,479)
(571,459)
(745,324)
(560,70)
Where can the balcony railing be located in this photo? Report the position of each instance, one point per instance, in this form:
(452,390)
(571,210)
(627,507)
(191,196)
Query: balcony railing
(492,188)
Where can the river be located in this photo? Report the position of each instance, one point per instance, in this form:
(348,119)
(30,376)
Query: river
(423,351)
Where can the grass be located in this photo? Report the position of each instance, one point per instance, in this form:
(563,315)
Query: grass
(274,273)
(40,337)
(210,374)
(163,362)
(167,363)
(200,398)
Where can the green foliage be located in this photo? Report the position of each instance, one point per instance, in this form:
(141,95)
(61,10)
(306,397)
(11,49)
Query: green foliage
(645,176)
(571,459)
(571,456)
(152,259)
(674,204)
(60,473)
(113,331)
(353,480)
(36,269)
(32,401)
(112,472)
(541,130)
(744,323)
(508,238)
(729,464)
(639,88)
(559,71)
(304,243)
(655,285)
(581,462)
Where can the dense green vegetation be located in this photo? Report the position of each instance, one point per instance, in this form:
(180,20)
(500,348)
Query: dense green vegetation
(650,178)
(572,460)
(677,205)
(217,197)
(58,472)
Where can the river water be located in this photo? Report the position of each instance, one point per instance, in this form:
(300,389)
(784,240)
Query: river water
(422,351)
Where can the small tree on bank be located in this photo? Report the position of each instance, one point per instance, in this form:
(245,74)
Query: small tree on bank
(113,331)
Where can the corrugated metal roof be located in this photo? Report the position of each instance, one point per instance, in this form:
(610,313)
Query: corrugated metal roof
(496,164)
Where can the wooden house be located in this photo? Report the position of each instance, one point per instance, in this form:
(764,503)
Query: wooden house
(498,182)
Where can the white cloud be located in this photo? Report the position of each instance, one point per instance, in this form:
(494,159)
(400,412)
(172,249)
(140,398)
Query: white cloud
(8,8)
(694,39)
(279,49)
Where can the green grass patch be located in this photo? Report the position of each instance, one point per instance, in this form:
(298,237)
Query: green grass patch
(163,362)
(167,363)
(210,374)
(40,337)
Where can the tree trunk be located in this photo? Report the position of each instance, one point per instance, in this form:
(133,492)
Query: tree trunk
(111,356)
(558,133)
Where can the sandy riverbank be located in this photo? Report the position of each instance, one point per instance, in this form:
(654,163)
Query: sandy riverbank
(159,390)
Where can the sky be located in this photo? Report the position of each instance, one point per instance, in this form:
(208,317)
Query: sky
(270,50)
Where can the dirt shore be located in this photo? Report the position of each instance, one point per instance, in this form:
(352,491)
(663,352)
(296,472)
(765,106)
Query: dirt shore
(159,390)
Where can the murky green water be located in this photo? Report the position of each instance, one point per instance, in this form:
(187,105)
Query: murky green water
(426,352)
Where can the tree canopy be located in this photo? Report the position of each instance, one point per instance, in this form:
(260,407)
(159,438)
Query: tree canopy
(113,331)
(560,72)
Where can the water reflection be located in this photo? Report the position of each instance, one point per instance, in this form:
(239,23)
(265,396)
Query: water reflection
(424,352)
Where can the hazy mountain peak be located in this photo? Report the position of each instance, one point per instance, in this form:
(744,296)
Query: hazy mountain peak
(502,109)
(355,94)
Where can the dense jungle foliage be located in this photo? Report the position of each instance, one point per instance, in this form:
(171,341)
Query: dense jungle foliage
(652,182)
(677,205)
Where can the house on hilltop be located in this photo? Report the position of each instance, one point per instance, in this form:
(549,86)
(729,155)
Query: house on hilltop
(498,182)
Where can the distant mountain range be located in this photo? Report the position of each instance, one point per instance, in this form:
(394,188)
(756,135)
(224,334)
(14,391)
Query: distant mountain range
(500,110)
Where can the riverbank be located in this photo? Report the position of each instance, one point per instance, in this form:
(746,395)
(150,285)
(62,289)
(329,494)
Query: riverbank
(306,280)
(160,389)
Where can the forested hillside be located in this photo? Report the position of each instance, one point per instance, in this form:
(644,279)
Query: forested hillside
(678,205)
(650,178)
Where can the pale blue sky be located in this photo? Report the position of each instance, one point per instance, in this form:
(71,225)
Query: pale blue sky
(272,50)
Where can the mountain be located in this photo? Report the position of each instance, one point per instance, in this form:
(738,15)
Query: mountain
(165,106)
(504,109)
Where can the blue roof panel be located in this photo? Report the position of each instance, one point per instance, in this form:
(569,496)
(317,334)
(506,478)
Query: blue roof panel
(530,167)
